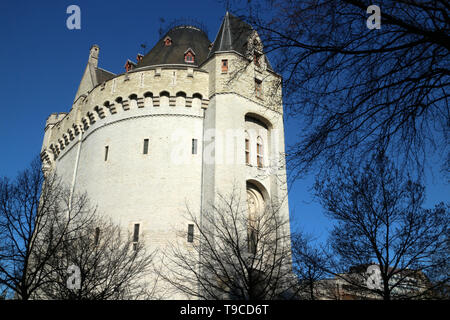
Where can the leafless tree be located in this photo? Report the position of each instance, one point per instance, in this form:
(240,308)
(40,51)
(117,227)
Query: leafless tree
(379,219)
(110,265)
(308,264)
(354,88)
(44,228)
(34,216)
(233,255)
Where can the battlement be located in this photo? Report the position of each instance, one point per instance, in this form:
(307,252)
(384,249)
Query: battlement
(54,118)
(173,88)
(172,91)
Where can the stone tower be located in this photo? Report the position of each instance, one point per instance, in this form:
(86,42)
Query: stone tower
(186,121)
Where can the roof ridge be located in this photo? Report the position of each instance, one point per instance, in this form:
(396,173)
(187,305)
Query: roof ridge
(229,30)
(106,70)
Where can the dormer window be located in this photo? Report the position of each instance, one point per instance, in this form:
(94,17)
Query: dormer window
(256,58)
(129,65)
(189,56)
(167,41)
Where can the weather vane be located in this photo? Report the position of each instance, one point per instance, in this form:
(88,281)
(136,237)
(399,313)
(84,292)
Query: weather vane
(144,46)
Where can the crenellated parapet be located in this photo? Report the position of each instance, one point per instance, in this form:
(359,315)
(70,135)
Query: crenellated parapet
(162,90)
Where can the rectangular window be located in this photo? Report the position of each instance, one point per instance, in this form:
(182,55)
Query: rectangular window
(106,153)
(258,88)
(145,146)
(194,146)
(190,237)
(136,232)
(135,236)
(224,65)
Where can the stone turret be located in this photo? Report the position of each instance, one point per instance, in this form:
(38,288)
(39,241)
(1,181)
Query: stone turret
(93,75)
(93,55)
(140,143)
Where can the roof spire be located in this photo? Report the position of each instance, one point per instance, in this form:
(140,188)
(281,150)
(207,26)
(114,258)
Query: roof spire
(232,36)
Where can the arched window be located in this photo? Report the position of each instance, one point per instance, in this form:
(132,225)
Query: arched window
(197,100)
(255,207)
(247,148)
(164,99)
(259,152)
(181,99)
(148,99)
(133,101)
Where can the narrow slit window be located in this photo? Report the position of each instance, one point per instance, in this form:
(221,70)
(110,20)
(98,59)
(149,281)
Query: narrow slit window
(194,146)
(96,236)
(145,146)
(247,150)
(259,152)
(258,88)
(190,237)
(135,236)
(106,152)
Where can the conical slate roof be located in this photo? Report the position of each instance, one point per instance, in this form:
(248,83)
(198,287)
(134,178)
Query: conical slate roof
(183,38)
(232,36)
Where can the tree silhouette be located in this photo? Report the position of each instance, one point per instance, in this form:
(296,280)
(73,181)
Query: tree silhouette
(379,219)
(233,255)
(354,88)
(45,228)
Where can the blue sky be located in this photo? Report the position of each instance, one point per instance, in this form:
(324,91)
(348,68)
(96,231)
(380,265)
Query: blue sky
(43,61)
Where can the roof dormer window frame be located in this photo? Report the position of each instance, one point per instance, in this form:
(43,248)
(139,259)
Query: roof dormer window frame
(167,41)
(129,65)
(189,56)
